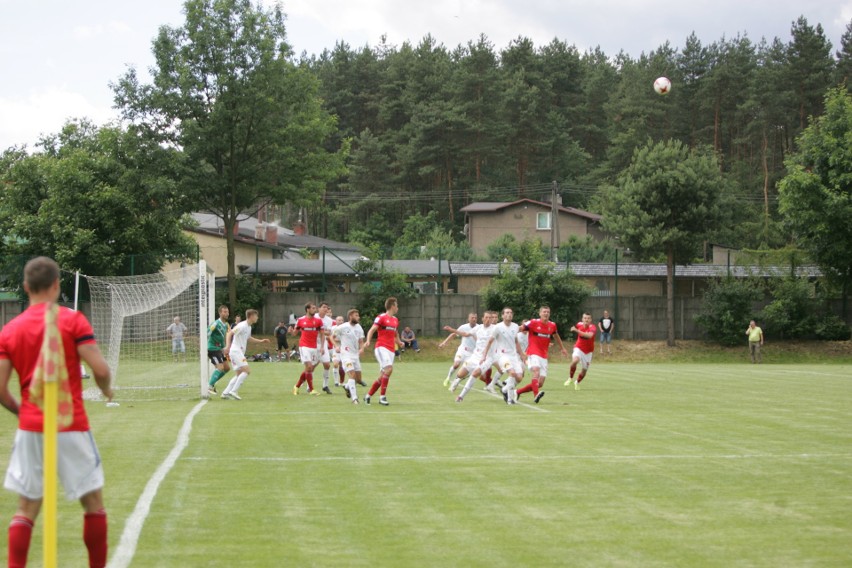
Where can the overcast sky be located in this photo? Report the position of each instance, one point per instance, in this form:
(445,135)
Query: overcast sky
(57,57)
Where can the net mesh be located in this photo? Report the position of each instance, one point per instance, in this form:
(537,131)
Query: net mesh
(131,316)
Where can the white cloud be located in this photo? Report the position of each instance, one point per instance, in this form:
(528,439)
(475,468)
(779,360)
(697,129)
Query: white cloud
(27,118)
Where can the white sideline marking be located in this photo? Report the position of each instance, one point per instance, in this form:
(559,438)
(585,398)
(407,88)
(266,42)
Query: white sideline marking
(133,526)
(526,457)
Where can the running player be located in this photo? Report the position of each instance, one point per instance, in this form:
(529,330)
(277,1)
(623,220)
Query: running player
(541,332)
(468,343)
(508,353)
(387,342)
(583,349)
(479,361)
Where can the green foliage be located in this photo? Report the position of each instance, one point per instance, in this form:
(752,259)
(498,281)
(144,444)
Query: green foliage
(251,294)
(533,284)
(586,249)
(793,310)
(93,199)
(816,195)
(728,307)
(377,285)
(832,328)
(249,122)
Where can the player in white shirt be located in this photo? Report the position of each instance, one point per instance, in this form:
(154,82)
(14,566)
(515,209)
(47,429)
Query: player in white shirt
(323,343)
(339,374)
(479,361)
(466,347)
(238,339)
(348,341)
(508,353)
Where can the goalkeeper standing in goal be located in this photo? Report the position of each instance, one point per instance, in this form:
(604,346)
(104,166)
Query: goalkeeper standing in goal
(217,335)
(238,339)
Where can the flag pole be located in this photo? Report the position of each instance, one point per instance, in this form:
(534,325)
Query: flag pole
(51,404)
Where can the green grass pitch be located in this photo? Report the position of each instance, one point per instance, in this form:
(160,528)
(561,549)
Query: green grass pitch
(646,465)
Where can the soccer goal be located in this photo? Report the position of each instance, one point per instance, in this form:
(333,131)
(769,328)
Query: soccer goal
(131,317)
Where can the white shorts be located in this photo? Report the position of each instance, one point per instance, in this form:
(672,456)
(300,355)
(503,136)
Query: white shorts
(384,356)
(77,459)
(238,359)
(510,362)
(462,353)
(335,357)
(325,355)
(473,362)
(585,358)
(309,354)
(536,361)
(351,364)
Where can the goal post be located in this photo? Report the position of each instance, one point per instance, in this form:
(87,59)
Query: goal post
(152,329)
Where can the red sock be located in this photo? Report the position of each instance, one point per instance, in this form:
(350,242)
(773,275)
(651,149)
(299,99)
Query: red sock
(375,387)
(309,377)
(487,378)
(95,537)
(534,386)
(20,531)
(384,379)
(301,380)
(525,388)
(342,374)
(571,372)
(581,377)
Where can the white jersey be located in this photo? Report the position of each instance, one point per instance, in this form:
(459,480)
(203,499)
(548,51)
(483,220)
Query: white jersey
(327,324)
(469,343)
(481,335)
(242,332)
(504,338)
(524,340)
(349,336)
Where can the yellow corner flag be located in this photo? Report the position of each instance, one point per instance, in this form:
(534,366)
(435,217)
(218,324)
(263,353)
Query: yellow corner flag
(51,391)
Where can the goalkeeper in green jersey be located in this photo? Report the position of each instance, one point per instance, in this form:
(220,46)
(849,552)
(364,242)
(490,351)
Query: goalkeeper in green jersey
(217,346)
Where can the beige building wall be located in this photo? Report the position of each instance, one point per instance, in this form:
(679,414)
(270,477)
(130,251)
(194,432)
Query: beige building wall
(520,221)
(214,251)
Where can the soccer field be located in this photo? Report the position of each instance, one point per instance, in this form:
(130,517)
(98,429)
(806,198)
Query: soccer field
(646,465)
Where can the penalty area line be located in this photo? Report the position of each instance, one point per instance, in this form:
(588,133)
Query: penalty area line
(134,523)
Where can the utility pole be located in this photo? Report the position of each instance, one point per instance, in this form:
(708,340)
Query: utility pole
(554,222)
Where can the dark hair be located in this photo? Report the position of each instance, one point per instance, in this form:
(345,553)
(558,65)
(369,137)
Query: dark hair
(308,306)
(40,273)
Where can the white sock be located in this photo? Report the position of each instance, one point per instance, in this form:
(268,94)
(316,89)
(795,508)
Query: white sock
(495,377)
(353,391)
(468,385)
(450,373)
(240,380)
(455,383)
(324,378)
(231,384)
(510,384)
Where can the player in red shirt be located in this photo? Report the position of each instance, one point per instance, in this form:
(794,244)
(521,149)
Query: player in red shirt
(387,341)
(540,331)
(78,462)
(310,327)
(583,349)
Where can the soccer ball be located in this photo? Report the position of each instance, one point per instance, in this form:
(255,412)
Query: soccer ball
(662,85)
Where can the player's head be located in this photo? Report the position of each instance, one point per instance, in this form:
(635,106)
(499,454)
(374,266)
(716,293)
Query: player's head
(224,312)
(587,318)
(338,320)
(353,315)
(508,314)
(544,313)
(41,275)
(471,318)
(251,316)
(391,305)
(323,309)
(310,308)
(177,319)
(606,314)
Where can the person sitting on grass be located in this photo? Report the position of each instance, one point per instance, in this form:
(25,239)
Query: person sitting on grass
(409,340)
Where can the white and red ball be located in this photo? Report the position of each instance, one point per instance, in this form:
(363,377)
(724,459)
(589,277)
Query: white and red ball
(662,85)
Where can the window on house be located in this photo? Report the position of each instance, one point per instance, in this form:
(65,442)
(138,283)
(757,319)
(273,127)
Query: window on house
(543,221)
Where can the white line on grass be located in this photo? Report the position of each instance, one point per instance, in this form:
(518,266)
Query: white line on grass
(133,526)
(525,457)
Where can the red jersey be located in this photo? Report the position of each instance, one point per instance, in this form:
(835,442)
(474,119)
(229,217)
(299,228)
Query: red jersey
(583,344)
(310,326)
(386,336)
(540,334)
(20,343)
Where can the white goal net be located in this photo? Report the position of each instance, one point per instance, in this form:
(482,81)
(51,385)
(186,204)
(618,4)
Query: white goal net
(152,329)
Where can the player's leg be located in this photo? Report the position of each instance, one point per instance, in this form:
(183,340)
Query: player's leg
(95,527)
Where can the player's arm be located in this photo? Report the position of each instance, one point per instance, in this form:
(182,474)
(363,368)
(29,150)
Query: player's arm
(444,342)
(228,338)
(6,399)
(585,334)
(487,349)
(520,349)
(559,342)
(454,331)
(91,354)
(256,340)
(373,329)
